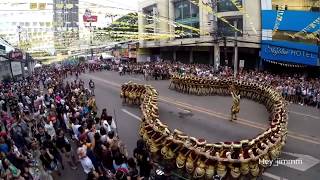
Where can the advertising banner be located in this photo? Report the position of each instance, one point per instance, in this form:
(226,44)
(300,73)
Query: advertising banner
(288,32)
(16,55)
(88,17)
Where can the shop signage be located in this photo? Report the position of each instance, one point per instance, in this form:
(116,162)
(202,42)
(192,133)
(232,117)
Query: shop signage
(16,55)
(286,54)
(293,52)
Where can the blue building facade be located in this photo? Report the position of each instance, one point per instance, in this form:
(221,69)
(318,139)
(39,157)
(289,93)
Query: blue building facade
(290,31)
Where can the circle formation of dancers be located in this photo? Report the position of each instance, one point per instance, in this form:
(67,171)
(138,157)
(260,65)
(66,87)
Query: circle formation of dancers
(197,157)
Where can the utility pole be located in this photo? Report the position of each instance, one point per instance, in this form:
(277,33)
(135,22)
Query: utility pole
(225,61)
(91,41)
(235,64)
(318,44)
(19,32)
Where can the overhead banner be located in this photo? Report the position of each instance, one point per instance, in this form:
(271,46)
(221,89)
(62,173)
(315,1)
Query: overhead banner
(33,6)
(42,6)
(288,34)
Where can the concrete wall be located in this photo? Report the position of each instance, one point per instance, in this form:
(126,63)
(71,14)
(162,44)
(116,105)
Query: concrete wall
(253,8)
(163,10)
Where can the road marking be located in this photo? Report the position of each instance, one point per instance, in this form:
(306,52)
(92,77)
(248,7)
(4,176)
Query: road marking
(137,79)
(293,135)
(272,176)
(307,161)
(131,114)
(307,115)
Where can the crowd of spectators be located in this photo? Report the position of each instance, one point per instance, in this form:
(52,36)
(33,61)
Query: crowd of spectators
(296,88)
(48,122)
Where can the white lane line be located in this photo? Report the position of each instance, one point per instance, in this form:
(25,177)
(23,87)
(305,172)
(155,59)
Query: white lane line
(307,115)
(131,114)
(137,79)
(272,176)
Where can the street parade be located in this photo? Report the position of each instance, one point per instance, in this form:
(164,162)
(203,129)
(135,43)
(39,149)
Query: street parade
(202,159)
(159,90)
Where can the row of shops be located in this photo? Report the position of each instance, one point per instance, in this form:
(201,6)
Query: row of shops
(14,63)
(265,56)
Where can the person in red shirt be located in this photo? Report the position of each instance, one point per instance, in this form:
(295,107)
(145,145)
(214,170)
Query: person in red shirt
(53,118)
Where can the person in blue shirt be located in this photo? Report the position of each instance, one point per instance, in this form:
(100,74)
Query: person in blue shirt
(4,148)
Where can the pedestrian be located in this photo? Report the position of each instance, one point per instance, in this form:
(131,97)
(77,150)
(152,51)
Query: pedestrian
(142,157)
(48,160)
(65,148)
(85,161)
(133,173)
(91,86)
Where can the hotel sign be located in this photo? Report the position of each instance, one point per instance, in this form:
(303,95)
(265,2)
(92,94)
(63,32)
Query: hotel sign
(275,51)
(285,54)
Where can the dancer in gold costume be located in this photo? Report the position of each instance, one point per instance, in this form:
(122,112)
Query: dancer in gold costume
(235,102)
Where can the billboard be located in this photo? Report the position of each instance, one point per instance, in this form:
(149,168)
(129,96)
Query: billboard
(88,17)
(16,55)
(288,32)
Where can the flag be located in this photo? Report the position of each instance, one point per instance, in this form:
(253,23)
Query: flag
(59,6)
(42,6)
(69,6)
(33,6)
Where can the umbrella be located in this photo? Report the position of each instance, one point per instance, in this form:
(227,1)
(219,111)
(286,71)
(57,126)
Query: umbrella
(37,66)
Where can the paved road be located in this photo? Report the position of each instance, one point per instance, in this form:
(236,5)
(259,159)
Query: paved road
(207,117)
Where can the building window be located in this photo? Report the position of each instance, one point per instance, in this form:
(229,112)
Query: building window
(228,5)
(186,13)
(297,5)
(226,30)
(149,13)
(186,32)
(185,9)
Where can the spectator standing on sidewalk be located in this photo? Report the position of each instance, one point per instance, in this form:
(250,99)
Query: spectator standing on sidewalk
(91,86)
(142,157)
